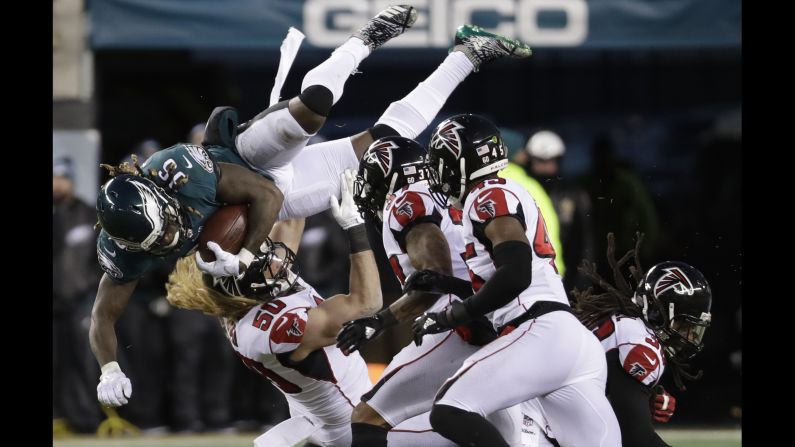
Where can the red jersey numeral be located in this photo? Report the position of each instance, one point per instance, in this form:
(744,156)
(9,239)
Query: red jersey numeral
(266,313)
(653,342)
(541,243)
(456,215)
(477,281)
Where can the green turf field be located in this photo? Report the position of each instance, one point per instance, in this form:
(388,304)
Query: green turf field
(677,438)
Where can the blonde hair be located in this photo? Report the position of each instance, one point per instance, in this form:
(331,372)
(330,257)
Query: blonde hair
(186,289)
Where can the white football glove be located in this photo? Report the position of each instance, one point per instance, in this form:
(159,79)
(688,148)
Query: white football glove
(225,264)
(346,213)
(114,387)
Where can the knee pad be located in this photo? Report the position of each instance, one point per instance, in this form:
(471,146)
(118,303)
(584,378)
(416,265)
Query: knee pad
(465,427)
(381,131)
(445,417)
(318,99)
(368,435)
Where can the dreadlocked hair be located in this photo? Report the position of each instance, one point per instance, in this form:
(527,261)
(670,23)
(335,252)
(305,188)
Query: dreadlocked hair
(594,309)
(186,290)
(124,168)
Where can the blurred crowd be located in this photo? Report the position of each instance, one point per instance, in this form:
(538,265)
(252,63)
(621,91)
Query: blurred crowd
(188,380)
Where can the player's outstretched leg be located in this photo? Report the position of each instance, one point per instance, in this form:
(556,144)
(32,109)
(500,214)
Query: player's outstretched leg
(330,76)
(274,137)
(320,165)
(410,115)
(481,46)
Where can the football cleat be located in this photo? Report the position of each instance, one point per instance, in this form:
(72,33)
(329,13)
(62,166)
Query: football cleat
(481,46)
(389,23)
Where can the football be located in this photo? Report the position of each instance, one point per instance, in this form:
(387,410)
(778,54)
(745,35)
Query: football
(227,228)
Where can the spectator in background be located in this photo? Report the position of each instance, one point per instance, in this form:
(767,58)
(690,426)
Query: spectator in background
(621,203)
(321,253)
(516,172)
(75,276)
(572,203)
(202,366)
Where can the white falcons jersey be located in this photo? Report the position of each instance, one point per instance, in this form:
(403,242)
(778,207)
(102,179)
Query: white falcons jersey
(503,197)
(412,205)
(639,351)
(325,385)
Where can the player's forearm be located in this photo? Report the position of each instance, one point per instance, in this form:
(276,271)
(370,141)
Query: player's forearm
(112,298)
(412,304)
(365,291)
(289,232)
(263,211)
(365,286)
(102,337)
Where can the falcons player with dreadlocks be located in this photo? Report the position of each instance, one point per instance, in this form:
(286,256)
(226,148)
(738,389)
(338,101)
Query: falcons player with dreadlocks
(660,324)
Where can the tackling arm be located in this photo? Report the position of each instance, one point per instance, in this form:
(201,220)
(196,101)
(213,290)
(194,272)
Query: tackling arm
(289,232)
(513,258)
(427,249)
(364,298)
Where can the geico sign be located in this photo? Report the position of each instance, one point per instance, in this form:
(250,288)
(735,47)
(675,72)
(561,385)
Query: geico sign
(327,23)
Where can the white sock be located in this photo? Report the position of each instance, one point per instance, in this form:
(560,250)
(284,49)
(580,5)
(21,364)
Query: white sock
(412,114)
(335,70)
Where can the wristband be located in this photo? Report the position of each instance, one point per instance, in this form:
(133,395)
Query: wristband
(357,237)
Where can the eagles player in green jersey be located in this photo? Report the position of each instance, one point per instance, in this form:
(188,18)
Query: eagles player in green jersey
(156,210)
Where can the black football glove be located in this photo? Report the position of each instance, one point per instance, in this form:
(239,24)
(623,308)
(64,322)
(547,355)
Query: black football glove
(355,333)
(435,322)
(435,282)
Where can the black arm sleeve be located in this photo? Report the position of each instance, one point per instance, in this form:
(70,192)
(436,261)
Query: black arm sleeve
(630,401)
(514,262)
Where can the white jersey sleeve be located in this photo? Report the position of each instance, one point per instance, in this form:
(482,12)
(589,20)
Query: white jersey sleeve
(639,350)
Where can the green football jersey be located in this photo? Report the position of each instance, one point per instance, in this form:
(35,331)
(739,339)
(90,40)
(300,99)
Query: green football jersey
(200,166)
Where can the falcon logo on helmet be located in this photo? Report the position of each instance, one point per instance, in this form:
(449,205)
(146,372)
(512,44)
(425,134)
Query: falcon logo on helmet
(674,278)
(381,154)
(449,138)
